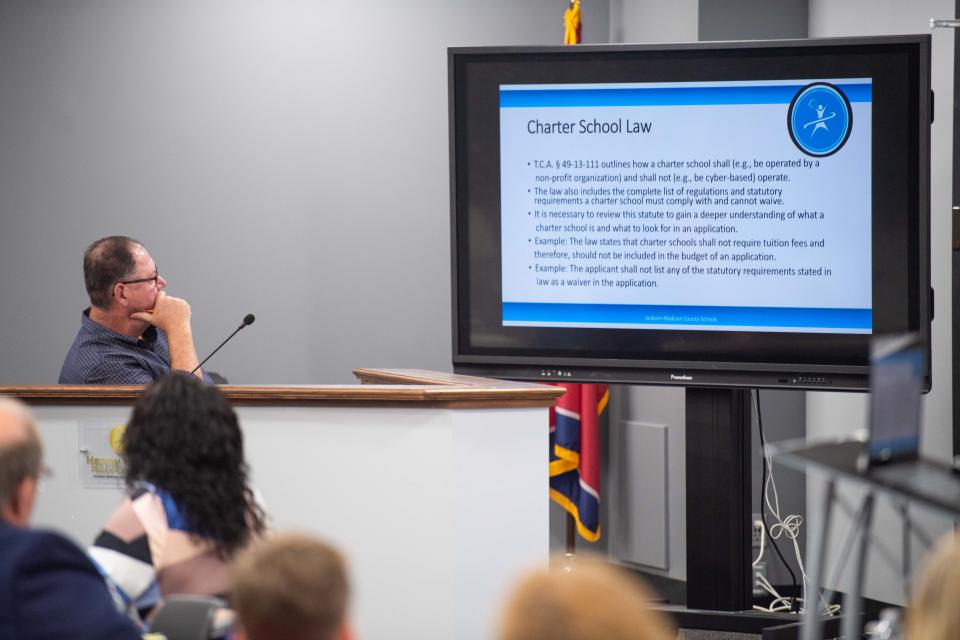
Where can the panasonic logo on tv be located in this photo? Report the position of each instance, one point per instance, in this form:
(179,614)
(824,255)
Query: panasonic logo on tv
(673,376)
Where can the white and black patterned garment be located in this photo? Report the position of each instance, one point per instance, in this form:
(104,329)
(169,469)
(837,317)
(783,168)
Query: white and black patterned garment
(149,552)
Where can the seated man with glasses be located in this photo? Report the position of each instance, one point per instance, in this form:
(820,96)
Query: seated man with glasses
(133,331)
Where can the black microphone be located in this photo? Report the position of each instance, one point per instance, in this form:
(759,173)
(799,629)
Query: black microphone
(247,319)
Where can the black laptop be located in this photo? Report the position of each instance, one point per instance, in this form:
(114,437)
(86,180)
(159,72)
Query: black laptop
(891,455)
(896,383)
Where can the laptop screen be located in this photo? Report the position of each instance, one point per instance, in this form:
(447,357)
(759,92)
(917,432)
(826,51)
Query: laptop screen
(896,381)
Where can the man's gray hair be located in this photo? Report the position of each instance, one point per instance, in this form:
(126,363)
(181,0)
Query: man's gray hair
(20,456)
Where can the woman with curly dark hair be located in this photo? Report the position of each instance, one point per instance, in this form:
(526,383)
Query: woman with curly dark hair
(189,508)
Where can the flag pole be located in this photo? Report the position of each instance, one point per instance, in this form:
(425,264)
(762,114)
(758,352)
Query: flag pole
(572,35)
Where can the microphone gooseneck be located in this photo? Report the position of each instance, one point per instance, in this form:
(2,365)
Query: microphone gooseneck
(247,320)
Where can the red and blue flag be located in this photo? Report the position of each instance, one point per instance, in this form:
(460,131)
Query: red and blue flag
(575,454)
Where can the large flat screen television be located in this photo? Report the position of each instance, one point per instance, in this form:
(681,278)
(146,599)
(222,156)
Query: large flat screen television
(739,214)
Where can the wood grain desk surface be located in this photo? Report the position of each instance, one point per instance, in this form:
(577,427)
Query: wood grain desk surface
(382,387)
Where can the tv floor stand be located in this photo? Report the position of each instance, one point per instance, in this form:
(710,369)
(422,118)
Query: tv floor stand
(719,575)
(719,514)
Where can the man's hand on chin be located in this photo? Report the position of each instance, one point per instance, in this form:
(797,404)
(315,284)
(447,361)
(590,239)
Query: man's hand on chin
(169,313)
(172,315)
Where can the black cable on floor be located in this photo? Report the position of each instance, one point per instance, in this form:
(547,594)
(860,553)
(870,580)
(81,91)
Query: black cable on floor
(763,502)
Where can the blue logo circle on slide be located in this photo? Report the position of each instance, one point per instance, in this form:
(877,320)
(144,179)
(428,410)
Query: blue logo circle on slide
(819,119)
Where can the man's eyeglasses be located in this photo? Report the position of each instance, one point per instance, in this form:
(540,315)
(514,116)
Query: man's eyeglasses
(152,279)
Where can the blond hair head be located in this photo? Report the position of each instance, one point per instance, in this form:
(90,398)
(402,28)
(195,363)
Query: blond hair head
(582,600)
(290,586)
(934,610)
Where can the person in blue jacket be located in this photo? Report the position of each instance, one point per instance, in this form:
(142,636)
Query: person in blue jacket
(49,588)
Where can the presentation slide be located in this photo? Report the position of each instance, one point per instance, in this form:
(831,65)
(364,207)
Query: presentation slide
(728,206)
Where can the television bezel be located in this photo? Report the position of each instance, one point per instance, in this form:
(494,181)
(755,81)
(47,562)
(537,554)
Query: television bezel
(827,377)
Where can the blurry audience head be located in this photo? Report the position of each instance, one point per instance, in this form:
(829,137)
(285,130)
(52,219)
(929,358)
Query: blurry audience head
(584,599)
(184,438)
(20,462)
(293,587)
(934,609)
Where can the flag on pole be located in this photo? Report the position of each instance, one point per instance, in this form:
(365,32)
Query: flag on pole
(575,454)
(572,29)
(575,421)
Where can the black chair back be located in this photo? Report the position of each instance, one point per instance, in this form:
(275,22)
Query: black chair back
(187,617)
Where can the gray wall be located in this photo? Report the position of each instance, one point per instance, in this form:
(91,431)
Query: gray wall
(651,21)
(752,19)
(287,159)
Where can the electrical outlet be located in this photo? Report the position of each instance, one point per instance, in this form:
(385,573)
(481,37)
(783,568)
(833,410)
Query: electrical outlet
(759,571)
(757,530)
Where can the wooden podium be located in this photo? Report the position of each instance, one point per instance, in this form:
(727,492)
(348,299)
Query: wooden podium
(433,484)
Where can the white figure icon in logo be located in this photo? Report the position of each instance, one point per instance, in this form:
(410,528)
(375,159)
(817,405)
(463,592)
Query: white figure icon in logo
(821,121)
